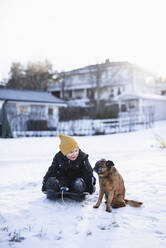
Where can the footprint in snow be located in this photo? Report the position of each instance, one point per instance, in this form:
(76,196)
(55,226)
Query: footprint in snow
(108,226)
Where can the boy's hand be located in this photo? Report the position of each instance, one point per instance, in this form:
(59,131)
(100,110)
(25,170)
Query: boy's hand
(64,189)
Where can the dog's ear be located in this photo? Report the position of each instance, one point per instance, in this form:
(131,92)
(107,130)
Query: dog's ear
(109,163)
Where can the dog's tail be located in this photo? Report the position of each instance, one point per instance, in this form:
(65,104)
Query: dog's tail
(133,203)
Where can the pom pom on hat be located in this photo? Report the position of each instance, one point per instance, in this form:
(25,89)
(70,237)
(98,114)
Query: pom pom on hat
(67,144)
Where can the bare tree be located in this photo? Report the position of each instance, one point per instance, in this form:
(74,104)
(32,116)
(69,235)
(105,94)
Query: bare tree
(35,76)
(39,75)
(16,76)
(95,79)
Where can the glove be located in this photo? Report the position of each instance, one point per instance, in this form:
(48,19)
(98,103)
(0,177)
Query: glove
(64,189)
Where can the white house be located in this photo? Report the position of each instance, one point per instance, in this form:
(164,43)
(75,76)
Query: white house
(130,86)
(102,82)
(30,110)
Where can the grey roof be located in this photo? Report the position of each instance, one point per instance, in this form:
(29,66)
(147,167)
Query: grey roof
(29,96)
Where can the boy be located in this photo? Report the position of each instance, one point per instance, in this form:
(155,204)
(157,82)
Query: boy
(70,169)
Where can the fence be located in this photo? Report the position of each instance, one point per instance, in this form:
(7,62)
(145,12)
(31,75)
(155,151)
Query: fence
(107,126)
(86,127)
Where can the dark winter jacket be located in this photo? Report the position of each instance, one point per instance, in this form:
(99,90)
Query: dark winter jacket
(66,171)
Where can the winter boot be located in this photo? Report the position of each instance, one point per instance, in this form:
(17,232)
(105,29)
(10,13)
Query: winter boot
(52,184)
(78,186)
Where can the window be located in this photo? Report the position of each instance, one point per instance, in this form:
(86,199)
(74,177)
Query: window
(68,94)
(112,93)
(90,93)
(163,92)
(78,94)
(119,91)
(132,104)
(11,108)
(50,111)
(123,108)
(23,109)
(38,110)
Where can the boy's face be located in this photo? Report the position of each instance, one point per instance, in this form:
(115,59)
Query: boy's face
(73,154)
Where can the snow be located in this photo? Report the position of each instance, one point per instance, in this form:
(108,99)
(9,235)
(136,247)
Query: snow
(27,216)
(142,95)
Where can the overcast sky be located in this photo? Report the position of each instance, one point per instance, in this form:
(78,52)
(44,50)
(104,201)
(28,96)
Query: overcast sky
(75,33)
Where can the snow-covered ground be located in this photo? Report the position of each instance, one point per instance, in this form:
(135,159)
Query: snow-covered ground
(27,216)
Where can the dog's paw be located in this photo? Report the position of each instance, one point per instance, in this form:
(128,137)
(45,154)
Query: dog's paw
(109,210)
(95,206)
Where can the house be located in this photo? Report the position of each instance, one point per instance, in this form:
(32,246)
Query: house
(125,85)
(102,82)
(28,110)
(150,105)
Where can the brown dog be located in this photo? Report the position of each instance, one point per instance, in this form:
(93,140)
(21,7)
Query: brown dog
(112,185)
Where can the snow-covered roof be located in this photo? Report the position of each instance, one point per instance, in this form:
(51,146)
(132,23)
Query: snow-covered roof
(87,69)
(141,95)
(29,96)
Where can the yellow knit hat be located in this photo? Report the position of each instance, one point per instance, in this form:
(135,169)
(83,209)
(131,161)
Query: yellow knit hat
(67,144)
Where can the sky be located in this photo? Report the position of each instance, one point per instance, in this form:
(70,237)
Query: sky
(76,33)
